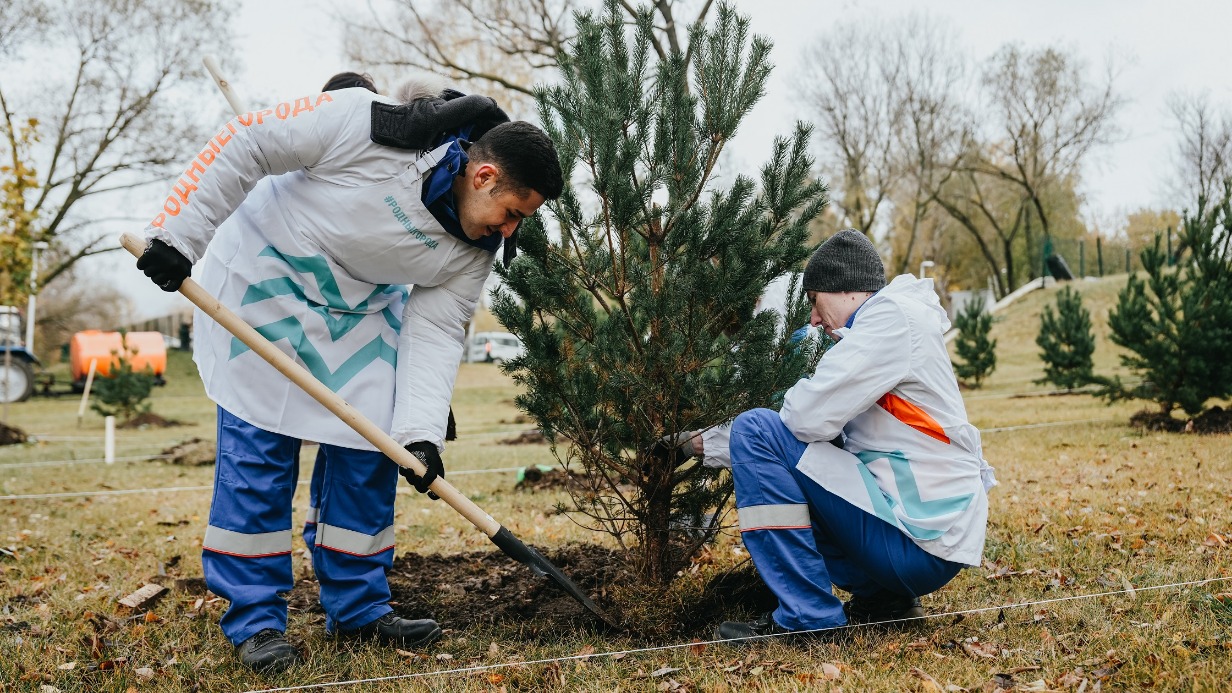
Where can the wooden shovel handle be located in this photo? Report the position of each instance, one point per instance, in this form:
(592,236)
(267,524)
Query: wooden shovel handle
(328,398)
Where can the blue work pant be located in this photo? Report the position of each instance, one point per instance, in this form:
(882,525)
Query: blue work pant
(836,542)
(247,550)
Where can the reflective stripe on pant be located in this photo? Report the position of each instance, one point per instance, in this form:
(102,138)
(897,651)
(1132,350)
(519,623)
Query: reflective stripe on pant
(802,538)
(248,544)
(353,547)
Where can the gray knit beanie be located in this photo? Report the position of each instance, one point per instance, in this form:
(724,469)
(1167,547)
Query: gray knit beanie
(847,261)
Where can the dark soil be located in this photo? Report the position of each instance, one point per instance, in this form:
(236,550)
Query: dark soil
(194,452)
(1213,420)
(150,419)
(11,435)
(533,479)
(532,437)
(487,588)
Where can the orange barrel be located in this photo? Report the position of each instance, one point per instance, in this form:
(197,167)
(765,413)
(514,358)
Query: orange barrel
(145,349)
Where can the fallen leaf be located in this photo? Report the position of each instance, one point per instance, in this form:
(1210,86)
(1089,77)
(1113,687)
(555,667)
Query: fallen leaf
(757,670)
(831,672)
(928,683)
(145,673)
(1215,540)
(67,666)
(664,671)
(404,653)
(493,649)
(444,657)
(495,679)
(697,647)
(585,652)
(1107,671)
(980,650)
(150,617)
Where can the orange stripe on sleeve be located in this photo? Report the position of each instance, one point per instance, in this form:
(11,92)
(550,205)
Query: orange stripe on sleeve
(913,416)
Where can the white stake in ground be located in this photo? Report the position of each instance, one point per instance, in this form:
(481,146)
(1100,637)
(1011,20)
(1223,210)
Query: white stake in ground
(85,394)
(109,439)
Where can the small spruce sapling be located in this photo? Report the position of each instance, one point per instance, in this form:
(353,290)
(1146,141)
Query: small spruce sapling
(1066,342)
(974,347)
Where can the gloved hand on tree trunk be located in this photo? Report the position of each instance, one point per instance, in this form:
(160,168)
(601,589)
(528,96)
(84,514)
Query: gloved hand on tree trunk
(428,455)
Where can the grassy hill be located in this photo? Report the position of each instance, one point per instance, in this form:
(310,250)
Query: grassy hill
(1015,329)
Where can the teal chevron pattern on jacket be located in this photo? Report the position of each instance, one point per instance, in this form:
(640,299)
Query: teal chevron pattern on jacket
(290,329)
(339,317)
(338,325)
(909,494)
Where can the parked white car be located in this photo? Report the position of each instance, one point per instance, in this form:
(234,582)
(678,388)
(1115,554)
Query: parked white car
(493,347)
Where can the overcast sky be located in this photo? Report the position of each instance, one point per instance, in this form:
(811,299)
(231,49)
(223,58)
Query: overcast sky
(1159,47)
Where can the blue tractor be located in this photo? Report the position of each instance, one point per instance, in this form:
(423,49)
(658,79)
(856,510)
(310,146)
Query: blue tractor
(17,363)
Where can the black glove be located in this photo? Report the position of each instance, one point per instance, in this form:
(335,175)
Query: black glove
(164,265)
(426,453)
(420,123)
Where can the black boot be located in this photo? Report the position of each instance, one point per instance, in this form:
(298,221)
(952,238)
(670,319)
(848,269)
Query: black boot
(267,652)
(897,610)
(742,633)
(394,630)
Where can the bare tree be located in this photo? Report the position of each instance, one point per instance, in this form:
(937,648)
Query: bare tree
(931,127)
(80,302)
(1203,158)
(1047,118)
(109,97)
(503,46)
(852,81)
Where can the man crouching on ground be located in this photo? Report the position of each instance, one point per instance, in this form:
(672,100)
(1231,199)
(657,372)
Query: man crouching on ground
(900,507)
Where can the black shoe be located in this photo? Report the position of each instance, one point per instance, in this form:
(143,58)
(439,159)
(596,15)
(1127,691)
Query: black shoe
(894,611)
(392,629)
(267,652)
(742,633)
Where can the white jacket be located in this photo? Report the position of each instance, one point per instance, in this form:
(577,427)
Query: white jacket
(909,456)
(314,233)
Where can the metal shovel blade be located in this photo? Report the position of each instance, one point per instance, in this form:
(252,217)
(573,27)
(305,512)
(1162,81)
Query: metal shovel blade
(528,556)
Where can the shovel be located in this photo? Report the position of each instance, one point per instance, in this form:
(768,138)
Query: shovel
(502,537)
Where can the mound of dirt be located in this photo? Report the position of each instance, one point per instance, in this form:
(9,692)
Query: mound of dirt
(535,479)
(150,419)
(194,452)
(11,435)
(531,437)
(489,588)
(1213,420)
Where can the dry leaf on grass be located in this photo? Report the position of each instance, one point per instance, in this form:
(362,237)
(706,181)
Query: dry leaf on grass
(927,682)
(664,671)
(981,650)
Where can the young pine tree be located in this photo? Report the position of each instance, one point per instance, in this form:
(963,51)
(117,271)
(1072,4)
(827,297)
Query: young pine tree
(637,309)
(1066,342)
(1177,323)
(125,392)
(977,351)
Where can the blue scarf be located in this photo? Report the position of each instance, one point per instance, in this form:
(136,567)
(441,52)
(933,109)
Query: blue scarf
(438,194)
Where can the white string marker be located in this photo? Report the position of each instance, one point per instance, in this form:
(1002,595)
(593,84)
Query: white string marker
(109,439)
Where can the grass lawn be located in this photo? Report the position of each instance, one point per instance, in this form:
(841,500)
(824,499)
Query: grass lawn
(1083,508)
